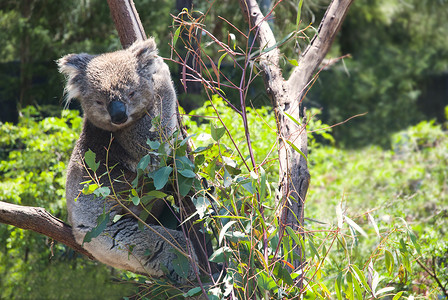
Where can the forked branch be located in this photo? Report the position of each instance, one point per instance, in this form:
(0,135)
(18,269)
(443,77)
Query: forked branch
(320,45)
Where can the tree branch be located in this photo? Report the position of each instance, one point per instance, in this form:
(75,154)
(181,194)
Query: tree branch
(127,22)
(39,220)
(319,46)
(269,61)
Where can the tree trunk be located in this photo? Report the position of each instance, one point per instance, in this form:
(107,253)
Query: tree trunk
(286,97)
(127,22)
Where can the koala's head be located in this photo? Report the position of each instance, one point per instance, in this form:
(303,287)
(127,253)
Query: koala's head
(116,88)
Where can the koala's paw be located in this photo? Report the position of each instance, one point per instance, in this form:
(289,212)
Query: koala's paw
(161,252)
(162,259)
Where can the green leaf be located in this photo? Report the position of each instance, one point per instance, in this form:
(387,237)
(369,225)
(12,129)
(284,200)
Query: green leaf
(293,62)
(117,217)
(154,145)
(266,282)
(247,185)
(146,199)
(338,286)
(361,276)
(220,59)
(283,274)
(184,141)
(232,170)
(102,221)
(176,36)
(324,289)
(398,295)
(102,192)
(156,194)
(220,255)
(89,188)
(292,119)
(297,149)
(187,173)
(403,247)
(262,174)
(217,132)
(183,162)
(313,249)
(161,177)
(143,216)
(389,260)
(349,291)
(293,234)
(211,169)
(265,50)
(224,230)
(185,184)
(413,238)
(406,262)
(299,11)
(193,292)
(357,289)
(202,149)
(136,200)
(199,160)
(181,265)
(90,157)
(144,162)
(355,226)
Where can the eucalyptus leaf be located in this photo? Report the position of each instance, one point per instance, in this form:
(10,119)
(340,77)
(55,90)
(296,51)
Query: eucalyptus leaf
(217,132)
(161,177)
(89,158)
(102,221)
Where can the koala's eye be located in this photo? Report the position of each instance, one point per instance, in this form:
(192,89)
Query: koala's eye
(131,94)
(99,102)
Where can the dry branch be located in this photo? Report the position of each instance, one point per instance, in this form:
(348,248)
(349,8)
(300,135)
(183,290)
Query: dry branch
(319,46)
(39,220)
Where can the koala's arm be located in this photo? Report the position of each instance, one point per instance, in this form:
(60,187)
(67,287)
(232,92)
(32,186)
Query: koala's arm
(122,244)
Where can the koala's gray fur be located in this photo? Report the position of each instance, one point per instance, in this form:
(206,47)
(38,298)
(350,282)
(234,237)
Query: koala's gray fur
(139,82)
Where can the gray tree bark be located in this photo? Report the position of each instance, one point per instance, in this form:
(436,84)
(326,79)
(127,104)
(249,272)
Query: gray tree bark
(286,97)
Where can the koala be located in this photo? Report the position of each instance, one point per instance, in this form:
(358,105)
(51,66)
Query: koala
(120,94)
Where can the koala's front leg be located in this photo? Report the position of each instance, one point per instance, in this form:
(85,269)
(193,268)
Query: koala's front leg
(124,246)
(148,251)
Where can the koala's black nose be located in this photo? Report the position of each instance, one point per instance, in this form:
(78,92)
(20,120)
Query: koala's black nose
(117,112)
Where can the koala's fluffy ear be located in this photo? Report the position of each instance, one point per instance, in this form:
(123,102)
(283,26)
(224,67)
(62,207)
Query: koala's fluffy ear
(145,51)
(74,66)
